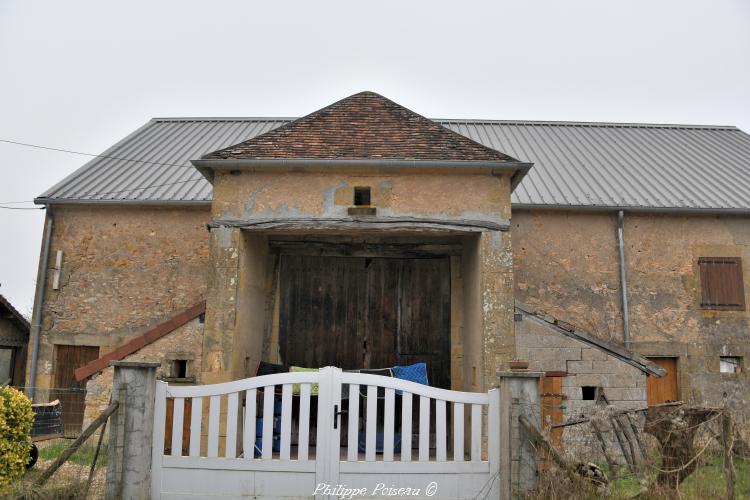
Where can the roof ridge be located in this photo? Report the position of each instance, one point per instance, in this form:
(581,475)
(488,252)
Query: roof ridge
(558,123)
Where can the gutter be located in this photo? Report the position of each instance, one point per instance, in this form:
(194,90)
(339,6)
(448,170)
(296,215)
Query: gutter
(41,288)
(517,170)
(633,209)
(623,279)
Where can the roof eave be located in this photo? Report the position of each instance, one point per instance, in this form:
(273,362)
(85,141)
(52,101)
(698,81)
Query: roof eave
(634,209)
(207,166)
(47,202)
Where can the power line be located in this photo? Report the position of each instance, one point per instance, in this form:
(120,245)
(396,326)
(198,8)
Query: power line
(93,155)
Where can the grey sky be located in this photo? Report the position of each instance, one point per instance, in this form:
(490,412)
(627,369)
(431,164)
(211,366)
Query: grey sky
(81,75)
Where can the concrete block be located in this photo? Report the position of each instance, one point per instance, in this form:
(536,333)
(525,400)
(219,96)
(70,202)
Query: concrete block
(593,354)
(566,353)
(579,366)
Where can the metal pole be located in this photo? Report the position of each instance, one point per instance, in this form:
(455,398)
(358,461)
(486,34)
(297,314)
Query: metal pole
(41,288)
(623,279)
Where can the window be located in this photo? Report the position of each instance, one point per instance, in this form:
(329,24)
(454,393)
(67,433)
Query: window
(361,196)
(179,368)
(589,392)
(722,285)
(730,364)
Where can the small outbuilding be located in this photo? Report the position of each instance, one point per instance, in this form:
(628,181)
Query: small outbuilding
(14,340)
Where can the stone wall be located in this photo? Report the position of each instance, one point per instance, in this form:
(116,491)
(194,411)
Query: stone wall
(124,270)
(566,265)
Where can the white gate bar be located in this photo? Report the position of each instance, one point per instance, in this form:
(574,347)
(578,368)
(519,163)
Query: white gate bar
(213,426)
(231,440)
(248,431)
(480,398)
(267,444)
(352,452)
(157,450)
(371,422)
(493,432)
(440,432)
(424,429)
(390,408)
(286,421)
(458,432)
(406,427)
(177,416)
(196,421)
(189,391)
(476,433)
(304,422)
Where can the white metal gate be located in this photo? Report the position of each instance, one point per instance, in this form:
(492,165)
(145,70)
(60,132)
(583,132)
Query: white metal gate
(263,437)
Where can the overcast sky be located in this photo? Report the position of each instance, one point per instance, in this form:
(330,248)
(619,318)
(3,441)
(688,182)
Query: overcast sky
(81,75)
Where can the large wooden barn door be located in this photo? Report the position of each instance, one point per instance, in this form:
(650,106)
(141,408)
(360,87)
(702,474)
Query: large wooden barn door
(69,391)
(356,312)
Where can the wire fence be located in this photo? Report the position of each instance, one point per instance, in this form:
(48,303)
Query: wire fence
(71,407)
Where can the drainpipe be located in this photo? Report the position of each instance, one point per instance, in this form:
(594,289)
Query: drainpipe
(623,279)
(41,288)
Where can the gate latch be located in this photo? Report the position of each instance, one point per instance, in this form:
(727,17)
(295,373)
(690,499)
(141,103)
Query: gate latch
(336,414)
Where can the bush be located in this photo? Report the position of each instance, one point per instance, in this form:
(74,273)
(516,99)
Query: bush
(16,419)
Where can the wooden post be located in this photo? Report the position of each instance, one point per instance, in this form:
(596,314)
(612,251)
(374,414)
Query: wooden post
(727,438)
(621,442)
(598,433)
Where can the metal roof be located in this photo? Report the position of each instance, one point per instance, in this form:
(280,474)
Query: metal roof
(577,164)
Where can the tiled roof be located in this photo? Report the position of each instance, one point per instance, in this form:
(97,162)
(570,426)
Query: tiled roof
(363,126)
(10,313)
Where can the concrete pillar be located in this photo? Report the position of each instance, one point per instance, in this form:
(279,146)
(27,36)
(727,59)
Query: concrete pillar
(222,296)
(496,292)
(131,430)
(519,395)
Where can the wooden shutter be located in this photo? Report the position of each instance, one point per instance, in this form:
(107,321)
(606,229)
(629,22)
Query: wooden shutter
(722,285)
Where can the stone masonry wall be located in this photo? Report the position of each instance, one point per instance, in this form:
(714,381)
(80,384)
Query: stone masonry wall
(124,270)
(549,350)
(566,265)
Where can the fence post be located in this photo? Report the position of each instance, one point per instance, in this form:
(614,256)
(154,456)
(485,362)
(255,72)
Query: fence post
(131,431)
(519,460)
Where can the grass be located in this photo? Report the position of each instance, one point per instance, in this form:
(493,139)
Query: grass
(706,482)
(83,456)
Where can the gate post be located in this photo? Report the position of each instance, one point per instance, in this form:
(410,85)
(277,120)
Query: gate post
(131,431)
(519,460)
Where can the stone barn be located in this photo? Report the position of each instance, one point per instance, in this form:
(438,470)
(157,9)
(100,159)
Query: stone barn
(365,235)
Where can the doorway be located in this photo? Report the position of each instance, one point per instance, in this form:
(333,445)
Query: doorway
(366,312)
(663,389)
(70,392)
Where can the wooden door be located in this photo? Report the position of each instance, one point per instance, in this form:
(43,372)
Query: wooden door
(664,389)
(68,390)
(366,313)
(551,399)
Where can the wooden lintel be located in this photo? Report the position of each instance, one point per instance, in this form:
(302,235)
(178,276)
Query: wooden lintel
(363,224)
(395,250)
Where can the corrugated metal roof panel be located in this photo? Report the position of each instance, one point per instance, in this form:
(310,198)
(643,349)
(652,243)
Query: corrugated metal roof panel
(576,164)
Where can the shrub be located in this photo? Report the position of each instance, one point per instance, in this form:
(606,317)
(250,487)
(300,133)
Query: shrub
(16,419)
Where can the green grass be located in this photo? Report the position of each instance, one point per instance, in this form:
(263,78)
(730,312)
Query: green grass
(706,482)
(83,456)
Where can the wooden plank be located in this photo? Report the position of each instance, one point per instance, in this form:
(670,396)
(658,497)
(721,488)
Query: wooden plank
(179,408)
(406,419)
(371,422)
(303,441)
(266,451)
(369,250)
(364,223)
(458,432)
(248,430)
(230,445)
(213,426)
(476,433)
(72,393)
(388,417)
(353,425)
(286,421)
(196,419)
(424,429)
(441,436)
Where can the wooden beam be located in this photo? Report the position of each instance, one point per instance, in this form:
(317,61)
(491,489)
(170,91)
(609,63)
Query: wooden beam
(395,250)
(363,224)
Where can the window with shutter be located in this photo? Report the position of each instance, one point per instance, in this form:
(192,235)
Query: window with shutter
(722,285)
